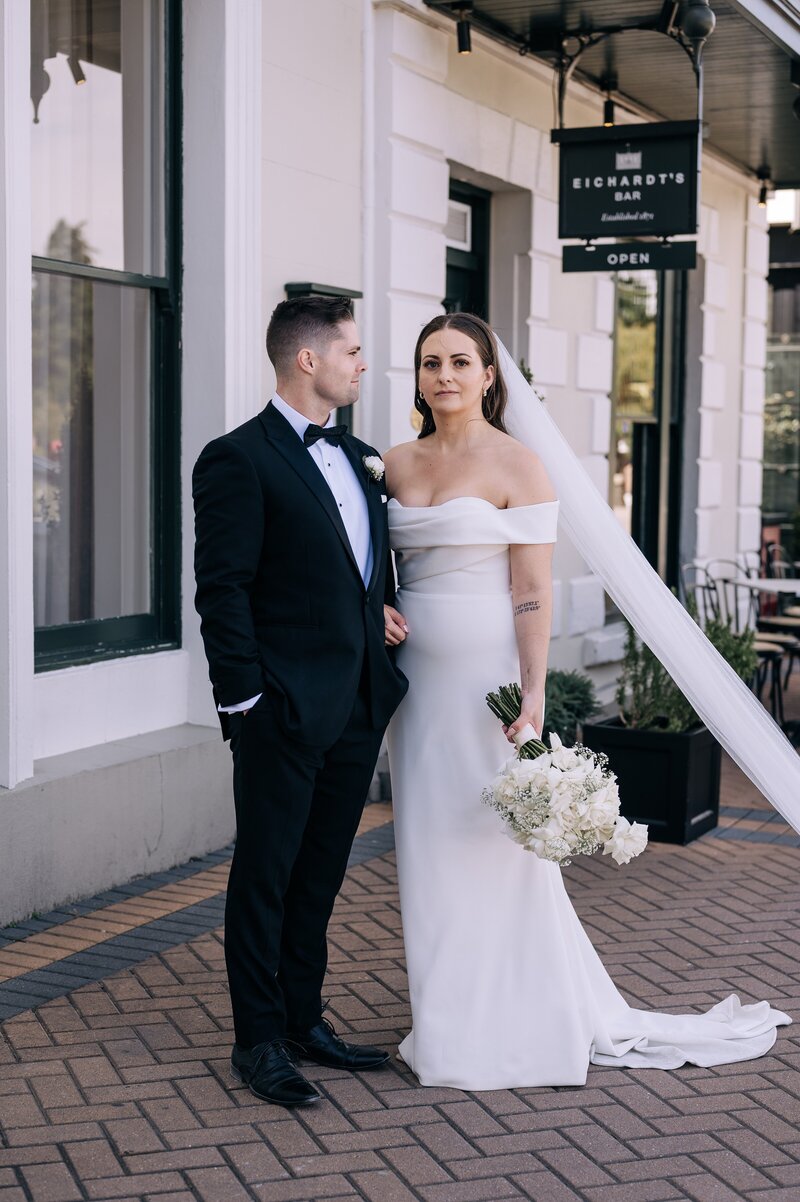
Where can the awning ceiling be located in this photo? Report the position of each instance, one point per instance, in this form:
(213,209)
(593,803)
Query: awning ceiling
(748,93)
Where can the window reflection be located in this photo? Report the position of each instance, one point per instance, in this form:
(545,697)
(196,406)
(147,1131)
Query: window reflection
(91,433)
(97,144)
(782,431)
(634,380)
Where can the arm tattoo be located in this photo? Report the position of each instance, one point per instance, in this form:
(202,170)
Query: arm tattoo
(527,607)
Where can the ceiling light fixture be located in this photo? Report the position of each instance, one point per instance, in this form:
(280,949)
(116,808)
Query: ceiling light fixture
(76,69)
(609,84)
(763,174)
(464,35)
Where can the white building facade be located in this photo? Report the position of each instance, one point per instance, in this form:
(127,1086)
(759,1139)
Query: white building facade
(257,144)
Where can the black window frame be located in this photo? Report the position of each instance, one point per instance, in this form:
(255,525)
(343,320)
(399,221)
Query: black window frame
(99,639)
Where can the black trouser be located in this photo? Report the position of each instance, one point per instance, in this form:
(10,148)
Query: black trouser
(297,812)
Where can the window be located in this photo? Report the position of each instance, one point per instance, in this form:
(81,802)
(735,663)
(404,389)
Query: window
(634,395)
(104,76)
(647,413)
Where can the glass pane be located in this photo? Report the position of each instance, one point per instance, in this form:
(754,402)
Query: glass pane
(634,380)
(97,149)
(91,450)
(781,497)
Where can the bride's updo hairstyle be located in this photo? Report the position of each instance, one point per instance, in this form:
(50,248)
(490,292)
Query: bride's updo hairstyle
(494,403)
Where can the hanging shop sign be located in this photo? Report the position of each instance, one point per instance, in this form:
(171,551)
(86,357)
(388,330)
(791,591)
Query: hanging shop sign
(631,256)
(628,179)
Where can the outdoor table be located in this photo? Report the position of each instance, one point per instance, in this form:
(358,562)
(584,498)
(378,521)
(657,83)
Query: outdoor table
(769,584)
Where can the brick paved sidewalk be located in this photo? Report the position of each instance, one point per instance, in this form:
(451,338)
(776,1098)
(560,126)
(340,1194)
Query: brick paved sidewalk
(119,1088)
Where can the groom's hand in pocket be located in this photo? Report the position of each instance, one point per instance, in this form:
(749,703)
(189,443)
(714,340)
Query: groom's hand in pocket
(395,626)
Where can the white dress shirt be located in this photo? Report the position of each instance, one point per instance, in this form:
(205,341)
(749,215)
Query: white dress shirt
(348,493)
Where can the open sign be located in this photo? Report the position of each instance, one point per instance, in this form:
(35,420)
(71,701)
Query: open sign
(631,256)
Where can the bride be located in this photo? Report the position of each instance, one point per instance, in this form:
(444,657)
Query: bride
(506,988)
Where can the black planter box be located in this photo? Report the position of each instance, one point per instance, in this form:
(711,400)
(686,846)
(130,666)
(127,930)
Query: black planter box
(669,781)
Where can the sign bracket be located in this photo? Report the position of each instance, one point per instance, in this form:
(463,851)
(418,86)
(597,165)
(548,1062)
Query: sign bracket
(568,59)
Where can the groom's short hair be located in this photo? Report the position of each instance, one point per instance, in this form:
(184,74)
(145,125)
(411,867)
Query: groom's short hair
(310,321)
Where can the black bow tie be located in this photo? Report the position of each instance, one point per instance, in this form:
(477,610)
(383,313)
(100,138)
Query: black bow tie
(332,434)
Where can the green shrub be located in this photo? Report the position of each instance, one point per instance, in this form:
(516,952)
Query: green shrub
(648,697)
(569,700)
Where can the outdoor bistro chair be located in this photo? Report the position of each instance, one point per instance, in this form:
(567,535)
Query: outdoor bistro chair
(782,625)
(780,567)
(788,637)
(695,584)
(713,600)
(752,564)
(733,601)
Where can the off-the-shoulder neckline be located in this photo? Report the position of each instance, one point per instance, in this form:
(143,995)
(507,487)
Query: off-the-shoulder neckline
(480,500)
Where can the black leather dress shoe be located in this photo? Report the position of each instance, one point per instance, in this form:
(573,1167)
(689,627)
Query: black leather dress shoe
(270,1073)
(322,1045)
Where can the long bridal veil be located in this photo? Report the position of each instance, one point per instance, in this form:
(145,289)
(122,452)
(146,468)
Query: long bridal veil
(730,711)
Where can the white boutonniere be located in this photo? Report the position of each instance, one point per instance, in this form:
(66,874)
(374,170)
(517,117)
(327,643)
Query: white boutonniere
(374,465)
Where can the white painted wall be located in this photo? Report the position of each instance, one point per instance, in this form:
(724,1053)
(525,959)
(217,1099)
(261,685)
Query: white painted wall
(311,152)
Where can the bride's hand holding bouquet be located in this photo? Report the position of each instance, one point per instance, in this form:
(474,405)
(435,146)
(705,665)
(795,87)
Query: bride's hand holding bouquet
(558,802)
(527,726)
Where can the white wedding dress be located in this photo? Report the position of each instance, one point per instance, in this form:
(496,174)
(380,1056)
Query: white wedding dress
(506,988)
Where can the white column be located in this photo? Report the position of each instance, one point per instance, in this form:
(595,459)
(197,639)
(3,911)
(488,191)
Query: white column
(754,357)
(222,319)
(244,332)
(16,529)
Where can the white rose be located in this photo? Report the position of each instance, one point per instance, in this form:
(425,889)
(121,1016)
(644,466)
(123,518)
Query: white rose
(560,799)
(628,840)
(504,790)
(562,759)
(602,811)
(553,777)
(525,772)
(552,829)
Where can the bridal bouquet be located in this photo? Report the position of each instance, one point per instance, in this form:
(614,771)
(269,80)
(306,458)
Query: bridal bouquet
(562,801)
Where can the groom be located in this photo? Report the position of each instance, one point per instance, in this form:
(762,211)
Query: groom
(292,569)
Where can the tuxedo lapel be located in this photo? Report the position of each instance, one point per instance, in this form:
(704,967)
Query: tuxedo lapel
(286,442)
(372,491)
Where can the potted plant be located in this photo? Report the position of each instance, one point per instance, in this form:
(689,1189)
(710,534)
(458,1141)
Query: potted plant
(667,762)
(570,700)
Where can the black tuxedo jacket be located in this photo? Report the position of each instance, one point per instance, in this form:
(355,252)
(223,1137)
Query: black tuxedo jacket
(282,603)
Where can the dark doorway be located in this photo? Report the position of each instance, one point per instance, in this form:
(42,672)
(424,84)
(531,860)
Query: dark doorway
(467,236)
